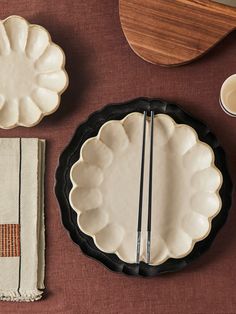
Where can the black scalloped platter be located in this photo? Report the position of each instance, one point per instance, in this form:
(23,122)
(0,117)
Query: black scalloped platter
(71,154)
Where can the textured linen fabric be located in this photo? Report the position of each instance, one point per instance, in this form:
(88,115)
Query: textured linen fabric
(22,219)
(103,69)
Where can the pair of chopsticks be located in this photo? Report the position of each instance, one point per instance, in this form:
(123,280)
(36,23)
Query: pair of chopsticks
(140,209)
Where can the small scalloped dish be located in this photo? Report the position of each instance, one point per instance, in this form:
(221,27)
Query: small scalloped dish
(32,75)
(105,192)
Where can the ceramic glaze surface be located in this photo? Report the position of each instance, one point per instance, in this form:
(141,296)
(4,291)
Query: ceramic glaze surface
(105,191)
(228,95)
(32,75)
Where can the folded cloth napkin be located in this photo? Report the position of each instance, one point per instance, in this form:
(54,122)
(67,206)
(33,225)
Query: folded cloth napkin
(21,219)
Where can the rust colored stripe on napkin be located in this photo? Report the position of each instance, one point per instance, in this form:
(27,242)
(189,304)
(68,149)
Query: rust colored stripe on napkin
(9,240)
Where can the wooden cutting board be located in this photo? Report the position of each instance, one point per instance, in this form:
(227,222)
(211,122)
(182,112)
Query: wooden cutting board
(174,32)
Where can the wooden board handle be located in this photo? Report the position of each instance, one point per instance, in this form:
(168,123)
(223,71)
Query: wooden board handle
(174,32)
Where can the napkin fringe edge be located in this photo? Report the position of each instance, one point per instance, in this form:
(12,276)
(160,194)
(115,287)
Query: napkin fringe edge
(20,297)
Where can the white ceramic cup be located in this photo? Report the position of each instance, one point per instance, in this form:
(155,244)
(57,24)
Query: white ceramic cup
(228,95)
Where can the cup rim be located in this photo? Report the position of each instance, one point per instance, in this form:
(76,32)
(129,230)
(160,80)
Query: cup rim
(225,110)
(223,106)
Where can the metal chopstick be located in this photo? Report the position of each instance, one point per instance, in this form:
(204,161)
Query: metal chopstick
(139,226)
(149,222)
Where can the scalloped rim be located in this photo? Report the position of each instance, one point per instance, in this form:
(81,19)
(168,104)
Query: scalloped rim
(212,165)
(67,214)
(62,68)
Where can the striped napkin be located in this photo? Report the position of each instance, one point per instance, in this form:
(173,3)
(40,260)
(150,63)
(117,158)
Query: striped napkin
(21,219)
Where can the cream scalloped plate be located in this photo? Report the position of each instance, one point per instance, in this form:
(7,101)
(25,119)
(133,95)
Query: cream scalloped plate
(32,75)
(105,192)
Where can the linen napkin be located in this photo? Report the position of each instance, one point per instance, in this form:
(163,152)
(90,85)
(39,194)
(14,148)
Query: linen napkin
(21,219)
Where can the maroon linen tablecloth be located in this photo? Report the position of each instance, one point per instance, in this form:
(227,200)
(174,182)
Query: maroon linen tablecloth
(103,69)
